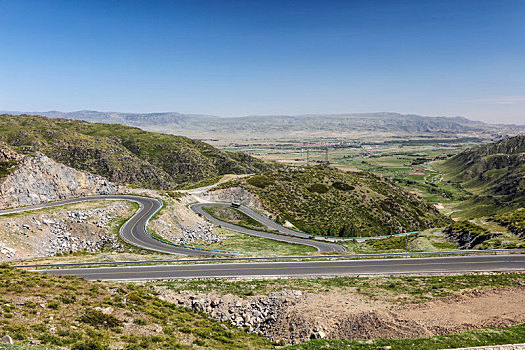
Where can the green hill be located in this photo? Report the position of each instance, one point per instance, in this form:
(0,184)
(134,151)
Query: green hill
(124,154)
(332,202)
(494,173)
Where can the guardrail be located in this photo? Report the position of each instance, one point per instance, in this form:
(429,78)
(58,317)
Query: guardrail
(262,258)
(321,237)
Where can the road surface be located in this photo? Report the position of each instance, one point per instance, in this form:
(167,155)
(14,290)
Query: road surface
(134,230)
(286,235)
(456,264)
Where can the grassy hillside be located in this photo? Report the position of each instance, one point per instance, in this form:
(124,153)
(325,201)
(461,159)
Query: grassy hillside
(514,221)
(123,154)
(331,202)
(494,173)
(68,312)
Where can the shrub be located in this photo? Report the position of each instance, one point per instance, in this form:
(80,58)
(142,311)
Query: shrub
(53,305)
(343,186)
(260,181)
(99,319)
(89,345)
(465,226)
(140,321)
(319,188)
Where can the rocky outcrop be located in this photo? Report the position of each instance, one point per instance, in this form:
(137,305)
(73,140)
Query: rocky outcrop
(85,227)
(184,235)
(233,194)
(40,179)
(7,154)
(257,314)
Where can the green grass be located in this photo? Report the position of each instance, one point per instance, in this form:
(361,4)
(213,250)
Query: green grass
(392,243)
(233,216)
(256,246)
(481,337)
(24,347)
(428,240)
(203,183)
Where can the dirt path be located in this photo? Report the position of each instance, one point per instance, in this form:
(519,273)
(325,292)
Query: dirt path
(495,307)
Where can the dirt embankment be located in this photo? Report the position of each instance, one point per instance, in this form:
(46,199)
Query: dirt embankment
(295,316)
(50,232)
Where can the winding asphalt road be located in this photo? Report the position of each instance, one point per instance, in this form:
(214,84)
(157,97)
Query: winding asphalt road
(134,230)
(286,235)
(455,264)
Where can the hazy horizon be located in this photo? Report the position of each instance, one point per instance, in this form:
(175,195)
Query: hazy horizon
(238,58)
(251,115)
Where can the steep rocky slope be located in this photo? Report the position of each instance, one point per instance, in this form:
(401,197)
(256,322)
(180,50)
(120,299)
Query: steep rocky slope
(87,227)
(124,154)
(331,202)
(494,172)
(38,178)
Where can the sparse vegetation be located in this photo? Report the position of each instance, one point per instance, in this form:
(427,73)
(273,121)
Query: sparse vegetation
(7,167)
(514,221)
(480,337)
(401,289)
(233,216)
(104,314)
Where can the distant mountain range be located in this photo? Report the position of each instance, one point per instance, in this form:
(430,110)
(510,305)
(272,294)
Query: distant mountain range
(195,125)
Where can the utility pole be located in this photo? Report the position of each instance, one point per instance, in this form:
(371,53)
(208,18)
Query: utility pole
(326,155)
(406,239)
(302,159)
(307,157)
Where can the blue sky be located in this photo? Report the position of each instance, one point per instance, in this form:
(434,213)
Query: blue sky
(234,58)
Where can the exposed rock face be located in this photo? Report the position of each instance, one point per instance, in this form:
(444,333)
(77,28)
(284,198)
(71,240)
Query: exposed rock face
(86,227)
(7,154)
(40,179)
(234,194)
(257,314)
(203,233)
